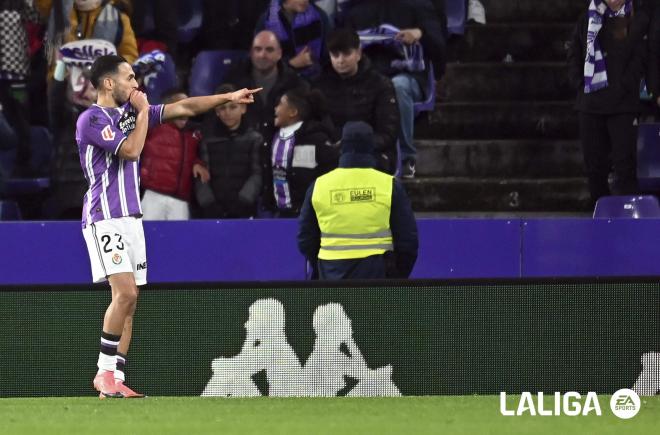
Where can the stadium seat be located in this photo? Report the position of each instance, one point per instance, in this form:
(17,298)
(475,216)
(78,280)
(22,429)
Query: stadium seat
(26,186)
(631,207)
(456,13)
(429,103)
(9,211)
(190,19)
(210,68)
(648,156)
(7,160)
(158,82)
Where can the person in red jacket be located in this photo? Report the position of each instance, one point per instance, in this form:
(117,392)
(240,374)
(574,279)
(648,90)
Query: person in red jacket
(168,164)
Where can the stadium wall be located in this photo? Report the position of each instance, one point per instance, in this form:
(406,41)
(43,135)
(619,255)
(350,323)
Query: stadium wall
(356,339)
(265,250)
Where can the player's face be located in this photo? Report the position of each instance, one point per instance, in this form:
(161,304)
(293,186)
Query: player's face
(123,83)
(297,6)
(345,63)
(265,52)
(230,114)
(285,113)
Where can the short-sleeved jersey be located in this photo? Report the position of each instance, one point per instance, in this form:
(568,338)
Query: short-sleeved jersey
(114,183)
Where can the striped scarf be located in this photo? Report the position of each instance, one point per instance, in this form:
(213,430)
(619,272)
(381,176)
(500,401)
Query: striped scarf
(595,70)
(282,153)
(410,57)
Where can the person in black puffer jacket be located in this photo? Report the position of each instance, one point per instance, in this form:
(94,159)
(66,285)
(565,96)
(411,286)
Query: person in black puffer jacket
(230,149)
(355,91)
(301,151)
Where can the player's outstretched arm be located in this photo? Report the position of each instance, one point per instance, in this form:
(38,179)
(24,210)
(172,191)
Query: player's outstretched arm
(195,105)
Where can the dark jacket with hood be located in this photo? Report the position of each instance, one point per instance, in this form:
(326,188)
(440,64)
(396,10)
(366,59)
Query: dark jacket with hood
(404,14)
(397,264)
(311,132)
(367,96)
(624,44)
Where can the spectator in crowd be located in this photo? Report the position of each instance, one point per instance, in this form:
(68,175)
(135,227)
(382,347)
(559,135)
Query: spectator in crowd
(68,183)
(230,149)
(168,164)
(14,74)
(101,19)
(264,69)
(355,91)
(230,24)
(334,9)
(301,150)
(356,220)
(301,28)
(418,26)
(606,62)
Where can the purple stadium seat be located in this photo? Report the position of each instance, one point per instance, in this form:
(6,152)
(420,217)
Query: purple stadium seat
(456,13)
(429,103)
(9,211)
(631,207)
(158,82)
(210,68)
(648,156)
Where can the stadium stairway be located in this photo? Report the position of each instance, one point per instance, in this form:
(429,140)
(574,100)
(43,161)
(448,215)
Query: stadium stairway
(503,136)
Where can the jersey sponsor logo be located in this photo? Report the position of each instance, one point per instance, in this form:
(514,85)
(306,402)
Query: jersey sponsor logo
(107,134)
(347,196)
(127,122)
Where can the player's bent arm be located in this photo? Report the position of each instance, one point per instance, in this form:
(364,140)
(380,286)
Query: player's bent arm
(131,148)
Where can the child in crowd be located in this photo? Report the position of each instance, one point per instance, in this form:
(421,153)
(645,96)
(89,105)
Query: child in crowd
(301,150)
(230,149)
(168,164)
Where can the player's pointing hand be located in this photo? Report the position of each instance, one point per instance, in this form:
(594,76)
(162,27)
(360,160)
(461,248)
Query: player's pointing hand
(244,96)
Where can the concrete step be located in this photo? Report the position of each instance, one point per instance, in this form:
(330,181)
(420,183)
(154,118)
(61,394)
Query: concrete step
(452,194)
(499,158)
(534,10)
(527,81)
(525,42)
(500,120)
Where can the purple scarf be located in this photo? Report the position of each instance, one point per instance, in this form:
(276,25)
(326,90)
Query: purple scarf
(595,70)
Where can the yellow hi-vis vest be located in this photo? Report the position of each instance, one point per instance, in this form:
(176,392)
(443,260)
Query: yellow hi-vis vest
(352,206)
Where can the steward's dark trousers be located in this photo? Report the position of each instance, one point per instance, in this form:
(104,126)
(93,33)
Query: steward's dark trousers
(609,142)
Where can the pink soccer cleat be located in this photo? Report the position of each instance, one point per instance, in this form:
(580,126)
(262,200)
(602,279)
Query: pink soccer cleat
(104,383)
(126,392)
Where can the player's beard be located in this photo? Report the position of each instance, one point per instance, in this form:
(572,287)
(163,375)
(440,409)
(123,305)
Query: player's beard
(120,99)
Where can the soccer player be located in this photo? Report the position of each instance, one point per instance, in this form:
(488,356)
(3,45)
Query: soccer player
(110,136)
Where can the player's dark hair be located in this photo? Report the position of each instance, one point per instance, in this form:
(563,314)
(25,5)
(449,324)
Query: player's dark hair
(343,40)
(104,66)
(310,104)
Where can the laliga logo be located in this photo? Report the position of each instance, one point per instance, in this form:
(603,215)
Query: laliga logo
(569,404)
(624,403)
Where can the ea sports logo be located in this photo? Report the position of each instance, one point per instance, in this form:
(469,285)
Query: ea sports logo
(625,403)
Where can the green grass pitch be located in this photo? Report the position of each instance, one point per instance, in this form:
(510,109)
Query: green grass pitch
(404,415)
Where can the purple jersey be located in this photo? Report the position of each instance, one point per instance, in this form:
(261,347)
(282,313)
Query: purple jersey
(114,183)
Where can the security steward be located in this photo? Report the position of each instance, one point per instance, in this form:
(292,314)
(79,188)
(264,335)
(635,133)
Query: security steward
(355,220)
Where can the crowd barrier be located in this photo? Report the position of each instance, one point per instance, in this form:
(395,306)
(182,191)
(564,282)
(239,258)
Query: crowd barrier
(265,250)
